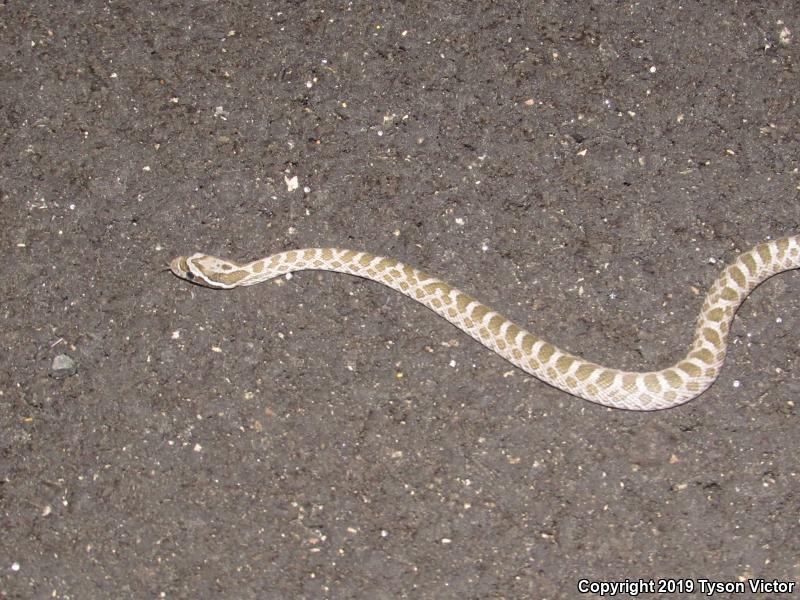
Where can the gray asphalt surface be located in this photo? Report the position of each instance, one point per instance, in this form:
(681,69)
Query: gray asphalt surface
(586,169)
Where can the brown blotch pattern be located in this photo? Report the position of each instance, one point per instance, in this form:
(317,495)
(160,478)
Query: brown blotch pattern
(494,324)
(606,378)
(545,352)
(750,263)
(479,312)
(563,363)
(704,354)
(386,263)
(230,278)
(712,336)
(737,275)
(764,252)
(511,333)
(629,382)
(528,341)
(584,371)
(462,301)
(673,379)
(432,288)
(651,383)
(410,274)
(691,369)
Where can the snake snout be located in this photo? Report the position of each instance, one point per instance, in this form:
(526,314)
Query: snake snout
(179,267)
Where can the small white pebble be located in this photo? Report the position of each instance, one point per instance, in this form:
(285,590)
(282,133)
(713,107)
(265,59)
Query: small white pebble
(15,566)
(176,335)
(785,36)
(736,383)
(452,363)
(198,448)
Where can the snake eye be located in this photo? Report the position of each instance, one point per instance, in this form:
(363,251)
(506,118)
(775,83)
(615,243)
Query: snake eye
(189,275)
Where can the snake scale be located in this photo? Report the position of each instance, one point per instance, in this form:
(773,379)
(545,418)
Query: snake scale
(651,390)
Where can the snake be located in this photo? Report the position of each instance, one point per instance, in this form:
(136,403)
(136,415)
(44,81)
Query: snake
(630,390)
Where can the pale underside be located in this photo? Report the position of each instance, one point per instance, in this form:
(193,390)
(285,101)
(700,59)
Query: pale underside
(651,390)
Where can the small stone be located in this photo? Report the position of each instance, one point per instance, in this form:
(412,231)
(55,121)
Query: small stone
(63,366)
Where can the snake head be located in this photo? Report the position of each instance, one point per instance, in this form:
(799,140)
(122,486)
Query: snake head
(182,266)
(207,271)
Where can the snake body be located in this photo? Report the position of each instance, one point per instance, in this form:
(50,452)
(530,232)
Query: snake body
(651,390)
